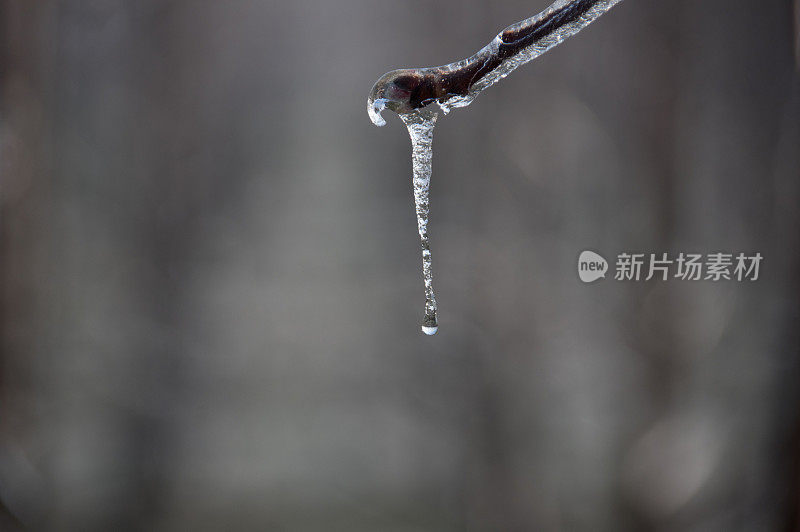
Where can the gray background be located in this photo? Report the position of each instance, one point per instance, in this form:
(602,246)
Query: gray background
(210,275)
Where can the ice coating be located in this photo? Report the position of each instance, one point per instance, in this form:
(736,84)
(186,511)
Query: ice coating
(458,84)
(420,126)
(550,31)
(411,92)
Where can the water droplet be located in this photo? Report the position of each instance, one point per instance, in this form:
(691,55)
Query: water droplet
(430,331)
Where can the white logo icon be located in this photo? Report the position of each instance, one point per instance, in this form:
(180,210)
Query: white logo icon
(591,267)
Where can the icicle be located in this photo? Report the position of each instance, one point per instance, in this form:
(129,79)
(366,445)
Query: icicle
(420,128)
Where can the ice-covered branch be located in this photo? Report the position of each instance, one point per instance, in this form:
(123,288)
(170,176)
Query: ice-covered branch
(411,92)
(457,84)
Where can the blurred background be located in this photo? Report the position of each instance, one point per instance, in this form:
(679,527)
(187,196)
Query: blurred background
(210,278)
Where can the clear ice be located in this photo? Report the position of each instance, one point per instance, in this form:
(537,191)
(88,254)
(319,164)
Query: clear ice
(531,52)
(420,126)
(420,122)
